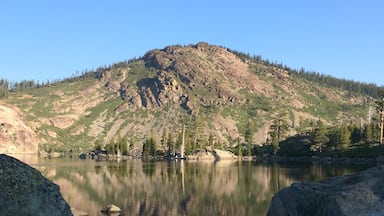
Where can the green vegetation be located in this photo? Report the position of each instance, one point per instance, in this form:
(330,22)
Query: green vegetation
(116,147)
(278,129)
(320,79)
(336,140)
(149,146)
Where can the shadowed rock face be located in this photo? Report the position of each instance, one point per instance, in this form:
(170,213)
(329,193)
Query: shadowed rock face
(24,191)
(357,194)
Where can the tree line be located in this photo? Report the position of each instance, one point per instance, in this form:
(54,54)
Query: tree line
(7,86)
(321,79)
(168,143)
(320,138)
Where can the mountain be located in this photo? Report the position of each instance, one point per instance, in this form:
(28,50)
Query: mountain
(217,93)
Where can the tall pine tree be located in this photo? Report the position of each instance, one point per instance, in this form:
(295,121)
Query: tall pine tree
(320,137)
(380,110)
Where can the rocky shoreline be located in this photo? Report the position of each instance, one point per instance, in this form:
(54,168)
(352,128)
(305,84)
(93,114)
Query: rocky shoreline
(216,155)
(209,155)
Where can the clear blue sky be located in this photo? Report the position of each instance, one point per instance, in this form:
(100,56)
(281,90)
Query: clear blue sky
(47,39)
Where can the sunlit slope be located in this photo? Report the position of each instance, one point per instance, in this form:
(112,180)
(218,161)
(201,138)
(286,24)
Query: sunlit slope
(213,90)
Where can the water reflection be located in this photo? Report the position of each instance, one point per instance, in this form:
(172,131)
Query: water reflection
(178,188)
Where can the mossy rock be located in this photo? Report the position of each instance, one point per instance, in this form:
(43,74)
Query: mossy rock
(24,191)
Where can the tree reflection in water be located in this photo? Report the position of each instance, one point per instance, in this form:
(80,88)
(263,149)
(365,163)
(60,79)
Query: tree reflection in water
(179,187)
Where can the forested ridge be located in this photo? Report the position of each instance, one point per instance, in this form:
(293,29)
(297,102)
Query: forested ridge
(352,86)
(7,86)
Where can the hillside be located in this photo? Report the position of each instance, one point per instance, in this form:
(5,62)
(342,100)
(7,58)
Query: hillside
(211,89)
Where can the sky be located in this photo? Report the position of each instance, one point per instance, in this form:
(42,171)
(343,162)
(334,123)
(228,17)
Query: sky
(47,40)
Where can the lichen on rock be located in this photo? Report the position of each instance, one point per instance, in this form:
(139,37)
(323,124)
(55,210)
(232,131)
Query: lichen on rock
(24,191)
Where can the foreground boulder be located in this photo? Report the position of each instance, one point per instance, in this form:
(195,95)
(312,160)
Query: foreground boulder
(24,191)
(356,194)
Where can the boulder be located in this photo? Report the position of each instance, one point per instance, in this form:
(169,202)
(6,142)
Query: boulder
(356,194)
(82,156)
(111,208)
(24,191)
(224,155)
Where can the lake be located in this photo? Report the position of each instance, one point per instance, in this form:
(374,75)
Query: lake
(178,187)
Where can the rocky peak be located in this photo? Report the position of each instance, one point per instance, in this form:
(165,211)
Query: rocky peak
(212,72)
(159,90)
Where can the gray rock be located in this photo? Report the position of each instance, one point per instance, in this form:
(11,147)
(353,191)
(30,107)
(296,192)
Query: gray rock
(82,156)
(357,194)
(380,160)
(111,208)
(24,191)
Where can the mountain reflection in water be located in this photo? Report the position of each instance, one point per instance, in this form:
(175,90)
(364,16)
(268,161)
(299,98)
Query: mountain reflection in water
(179,187)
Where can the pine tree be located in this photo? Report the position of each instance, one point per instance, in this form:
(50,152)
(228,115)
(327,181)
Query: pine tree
(341,137)
(153,147)
(164,139)
(239,148)
(248,133)
(275,141)
(380,110)
(146,148)
(356,134)
(367,134)
(98,145)
(123,145)
(111,147)
(179,140)
(345,137)
(170,144)
(320,137)
(277,130)
(149,146)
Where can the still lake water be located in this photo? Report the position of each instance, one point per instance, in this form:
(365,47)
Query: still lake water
(179,187)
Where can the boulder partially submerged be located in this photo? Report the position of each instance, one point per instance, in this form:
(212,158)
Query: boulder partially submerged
(356,194)
(211,154)
(24,191)
(111,209)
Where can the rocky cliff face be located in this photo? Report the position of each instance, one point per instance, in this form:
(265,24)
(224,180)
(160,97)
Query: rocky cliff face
(16,136)
(24,191)
(210,74)
(190,75)
(357,194)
